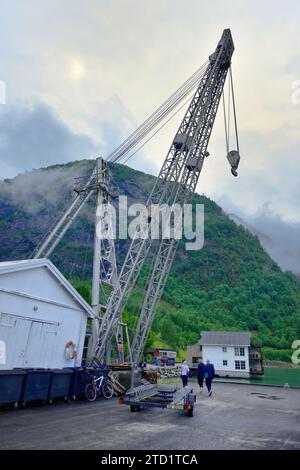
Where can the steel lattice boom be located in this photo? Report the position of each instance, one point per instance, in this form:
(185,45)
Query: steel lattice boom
(177,180)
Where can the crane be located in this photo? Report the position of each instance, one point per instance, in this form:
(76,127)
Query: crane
(98,186)
(176,183)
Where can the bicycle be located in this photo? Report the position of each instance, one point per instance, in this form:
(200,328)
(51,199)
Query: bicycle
(97,386)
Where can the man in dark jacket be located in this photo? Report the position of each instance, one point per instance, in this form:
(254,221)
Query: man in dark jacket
(209,374)
(200,374)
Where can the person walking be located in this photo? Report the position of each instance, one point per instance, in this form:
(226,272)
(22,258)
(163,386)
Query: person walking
(200,374)
(209,375)
(184,373)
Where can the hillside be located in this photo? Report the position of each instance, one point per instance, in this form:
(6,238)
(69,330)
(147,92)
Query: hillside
(231,283)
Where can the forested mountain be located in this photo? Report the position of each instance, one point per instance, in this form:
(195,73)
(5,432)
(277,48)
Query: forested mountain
(230,284)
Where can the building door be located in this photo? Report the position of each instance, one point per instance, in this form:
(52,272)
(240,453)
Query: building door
(41,345)
(14,332)
(28,343)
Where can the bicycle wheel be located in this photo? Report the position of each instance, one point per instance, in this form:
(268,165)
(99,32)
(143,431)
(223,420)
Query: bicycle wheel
(91,392)
(107,390)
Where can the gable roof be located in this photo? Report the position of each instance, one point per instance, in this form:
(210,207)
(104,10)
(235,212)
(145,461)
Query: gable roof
(225,338)
(22,265)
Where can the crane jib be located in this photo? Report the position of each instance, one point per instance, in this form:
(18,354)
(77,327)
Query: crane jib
(183,165)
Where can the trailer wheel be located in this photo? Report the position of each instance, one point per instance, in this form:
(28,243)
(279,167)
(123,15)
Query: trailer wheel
(134,408)
(190,412)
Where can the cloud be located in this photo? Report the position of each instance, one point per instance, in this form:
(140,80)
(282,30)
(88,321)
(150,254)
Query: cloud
(280,238)
(33,137)
(126,57)
(35,190)
(282,241)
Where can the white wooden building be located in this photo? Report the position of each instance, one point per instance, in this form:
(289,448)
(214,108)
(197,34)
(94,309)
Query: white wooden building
(43,318)
(228,351)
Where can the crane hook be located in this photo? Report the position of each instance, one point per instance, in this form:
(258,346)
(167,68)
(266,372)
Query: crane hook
(234,159)
(233,156)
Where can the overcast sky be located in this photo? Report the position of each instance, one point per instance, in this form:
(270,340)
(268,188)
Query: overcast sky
(80,75)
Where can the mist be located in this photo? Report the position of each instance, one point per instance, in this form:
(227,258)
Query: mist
(279,238)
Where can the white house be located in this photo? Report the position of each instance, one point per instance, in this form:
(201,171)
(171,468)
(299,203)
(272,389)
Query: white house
(43,319)
(228,351)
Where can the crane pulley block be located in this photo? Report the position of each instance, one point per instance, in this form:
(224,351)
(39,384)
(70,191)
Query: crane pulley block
(234,159)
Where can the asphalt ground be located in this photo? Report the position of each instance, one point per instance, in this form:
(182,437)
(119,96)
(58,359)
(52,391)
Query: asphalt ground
(235,417)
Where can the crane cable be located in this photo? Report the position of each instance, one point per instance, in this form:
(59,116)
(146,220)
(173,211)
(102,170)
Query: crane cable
(164,109)
(161,127)
(234,111)
(231,101)
(157,116)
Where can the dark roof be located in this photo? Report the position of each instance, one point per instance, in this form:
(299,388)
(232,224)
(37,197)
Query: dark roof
(225,338)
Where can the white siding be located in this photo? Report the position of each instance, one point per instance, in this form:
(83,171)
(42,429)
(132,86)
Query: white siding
(37,282)
(37,319)
(216,355)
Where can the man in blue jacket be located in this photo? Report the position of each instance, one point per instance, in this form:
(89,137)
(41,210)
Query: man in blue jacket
(200,374)
(209,374)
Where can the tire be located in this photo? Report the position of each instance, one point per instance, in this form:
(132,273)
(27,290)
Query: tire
(90,392)
(190,412)
(107,391)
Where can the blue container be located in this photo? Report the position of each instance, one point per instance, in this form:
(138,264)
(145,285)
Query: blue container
(36,385)
(60,383)
(11,384)
(78,383)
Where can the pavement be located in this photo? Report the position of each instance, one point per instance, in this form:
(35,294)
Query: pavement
(235,417)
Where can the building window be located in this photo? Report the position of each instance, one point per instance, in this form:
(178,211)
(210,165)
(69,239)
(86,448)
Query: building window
(239,351)
(240,365)
(225,363)
(224,348)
